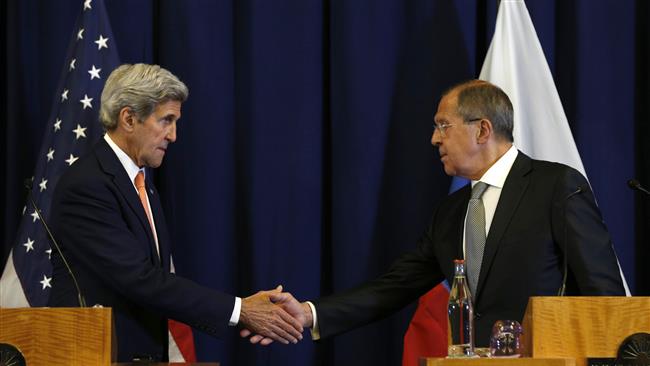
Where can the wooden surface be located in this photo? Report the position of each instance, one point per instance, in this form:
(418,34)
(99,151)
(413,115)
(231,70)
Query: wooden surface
(167,364)
(581,327)
(59,336)
(497,362)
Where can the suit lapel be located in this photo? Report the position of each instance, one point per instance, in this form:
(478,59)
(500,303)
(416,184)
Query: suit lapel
(454,217)
(112,166)
(466,193)
(161,226)
(511,195)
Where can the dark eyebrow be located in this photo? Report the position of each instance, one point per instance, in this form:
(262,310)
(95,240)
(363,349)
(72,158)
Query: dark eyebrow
(169,116)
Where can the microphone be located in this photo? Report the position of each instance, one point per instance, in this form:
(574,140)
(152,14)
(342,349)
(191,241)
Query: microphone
(635,185)
(80,298)
(562,289)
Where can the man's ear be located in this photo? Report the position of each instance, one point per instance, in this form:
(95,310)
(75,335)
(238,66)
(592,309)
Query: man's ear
(126,119)
(485,131)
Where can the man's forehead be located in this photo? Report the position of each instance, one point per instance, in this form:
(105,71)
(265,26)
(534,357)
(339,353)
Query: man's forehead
(450,97)
(446,107)
(168,107)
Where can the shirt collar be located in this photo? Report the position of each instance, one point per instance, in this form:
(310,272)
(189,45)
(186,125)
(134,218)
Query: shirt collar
(498,172)
(131,169)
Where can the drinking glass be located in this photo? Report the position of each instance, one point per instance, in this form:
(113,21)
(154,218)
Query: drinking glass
(505,340)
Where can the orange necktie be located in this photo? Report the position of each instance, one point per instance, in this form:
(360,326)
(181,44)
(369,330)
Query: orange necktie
(142,192)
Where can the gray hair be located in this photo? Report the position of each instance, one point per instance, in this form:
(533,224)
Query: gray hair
(481,99)
(141,88)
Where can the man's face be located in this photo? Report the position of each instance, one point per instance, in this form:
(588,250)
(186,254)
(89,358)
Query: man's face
(152,136)
(458,143)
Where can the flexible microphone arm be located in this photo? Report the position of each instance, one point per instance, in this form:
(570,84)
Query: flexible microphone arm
(562,289)
(80,298)
(635,185)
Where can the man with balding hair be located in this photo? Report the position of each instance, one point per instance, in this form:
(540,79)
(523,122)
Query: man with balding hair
(535,214)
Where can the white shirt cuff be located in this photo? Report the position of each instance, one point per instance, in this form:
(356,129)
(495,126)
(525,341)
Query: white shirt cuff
(236,311)
(315,333)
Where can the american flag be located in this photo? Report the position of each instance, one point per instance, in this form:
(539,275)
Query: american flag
(72,129)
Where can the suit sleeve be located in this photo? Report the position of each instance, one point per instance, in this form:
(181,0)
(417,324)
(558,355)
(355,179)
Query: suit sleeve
(590,253)
(409,277)
(90,224)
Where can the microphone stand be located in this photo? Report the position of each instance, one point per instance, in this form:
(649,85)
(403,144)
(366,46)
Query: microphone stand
(80,298)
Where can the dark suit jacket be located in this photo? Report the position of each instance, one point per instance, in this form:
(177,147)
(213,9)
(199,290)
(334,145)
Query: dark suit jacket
(523,254)
(103,230)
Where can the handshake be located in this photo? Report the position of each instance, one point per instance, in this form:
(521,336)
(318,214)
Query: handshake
(274,315)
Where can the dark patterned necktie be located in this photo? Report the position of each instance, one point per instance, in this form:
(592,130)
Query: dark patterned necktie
(475,235)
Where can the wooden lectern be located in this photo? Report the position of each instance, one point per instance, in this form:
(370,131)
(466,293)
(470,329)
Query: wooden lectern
(564,330)
(59,336)
(582,327)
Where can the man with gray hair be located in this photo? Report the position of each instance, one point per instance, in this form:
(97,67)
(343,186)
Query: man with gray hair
(522,226)
(111,227)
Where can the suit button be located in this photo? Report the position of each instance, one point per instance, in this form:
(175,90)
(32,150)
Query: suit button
(477,316)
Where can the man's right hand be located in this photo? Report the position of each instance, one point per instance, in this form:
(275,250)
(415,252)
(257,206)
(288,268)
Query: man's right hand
(300,311)
(270,321)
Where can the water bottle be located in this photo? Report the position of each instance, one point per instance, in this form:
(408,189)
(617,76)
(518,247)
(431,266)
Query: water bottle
(461,315)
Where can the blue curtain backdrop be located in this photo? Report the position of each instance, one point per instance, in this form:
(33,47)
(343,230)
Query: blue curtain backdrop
(303,154)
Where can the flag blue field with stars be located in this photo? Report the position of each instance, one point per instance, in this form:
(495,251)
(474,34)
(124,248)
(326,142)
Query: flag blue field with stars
(72,130)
